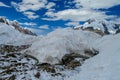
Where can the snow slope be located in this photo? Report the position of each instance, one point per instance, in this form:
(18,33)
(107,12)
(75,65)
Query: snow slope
(104,66)
(56,44)
(9,35)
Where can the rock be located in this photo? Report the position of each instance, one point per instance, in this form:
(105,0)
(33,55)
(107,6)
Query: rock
(37,75)
(3,20)
(12,48)
(118,31)
(73,64)
(67,58)
(12,77)
(56,74)
(73,60)
(90,53)
(46,67)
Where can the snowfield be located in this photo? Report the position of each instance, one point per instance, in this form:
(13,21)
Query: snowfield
(9,35)
(56,44)
(104,66)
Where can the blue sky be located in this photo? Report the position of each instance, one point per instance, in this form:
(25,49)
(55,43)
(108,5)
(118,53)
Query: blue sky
(43,16)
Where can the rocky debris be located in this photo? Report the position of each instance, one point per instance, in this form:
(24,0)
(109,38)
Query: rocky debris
(46,67)
(37,75)
(118,31)
(11,48)
(73,60)
(14,64)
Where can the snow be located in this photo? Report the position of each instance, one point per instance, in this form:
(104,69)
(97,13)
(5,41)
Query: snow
(56,44)
(51,48)
(9,35)
(104,66)
(98,24)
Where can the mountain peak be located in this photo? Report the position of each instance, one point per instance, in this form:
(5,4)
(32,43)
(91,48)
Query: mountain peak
(15,24)
(104,26)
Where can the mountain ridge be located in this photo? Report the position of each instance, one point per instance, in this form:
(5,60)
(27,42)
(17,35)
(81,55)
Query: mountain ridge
(102,26)
(15,24)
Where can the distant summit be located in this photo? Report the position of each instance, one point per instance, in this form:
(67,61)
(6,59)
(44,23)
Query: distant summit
(15,24)
(101,27)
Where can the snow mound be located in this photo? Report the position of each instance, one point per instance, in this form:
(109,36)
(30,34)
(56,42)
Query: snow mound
(56,44)
(104,66)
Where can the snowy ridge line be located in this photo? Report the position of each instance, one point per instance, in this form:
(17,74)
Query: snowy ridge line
(15,25)
(101,27)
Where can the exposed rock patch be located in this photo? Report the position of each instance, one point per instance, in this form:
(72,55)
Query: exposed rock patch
(11,48)
(14,64)
(73,60)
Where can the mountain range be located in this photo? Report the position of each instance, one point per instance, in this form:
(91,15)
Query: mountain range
(15,24)
(88,52)
(101,27)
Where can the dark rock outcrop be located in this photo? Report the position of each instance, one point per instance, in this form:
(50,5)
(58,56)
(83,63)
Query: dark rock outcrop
(11,48)
(73,60)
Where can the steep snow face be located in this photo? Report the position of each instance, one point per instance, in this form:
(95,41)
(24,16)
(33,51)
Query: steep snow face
(104,66)
(51,48)
(9,35)
(103,25)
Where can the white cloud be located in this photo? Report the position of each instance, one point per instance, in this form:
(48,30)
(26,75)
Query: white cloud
(85,9)
(72,24)
(29,24)
(77,15)
(28,7)
(33,5)
(31,15)
(44,27)
(50,5)
(3,5)
(97,4)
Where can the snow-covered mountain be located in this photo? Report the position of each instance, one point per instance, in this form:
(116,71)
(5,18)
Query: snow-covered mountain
(100,26)
(62,54)
(11,32)
(14,24)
